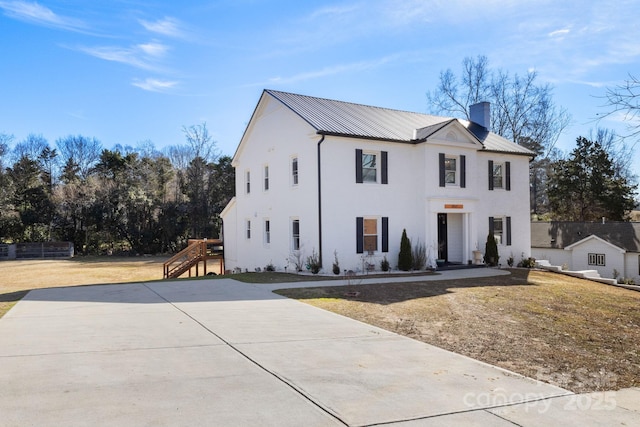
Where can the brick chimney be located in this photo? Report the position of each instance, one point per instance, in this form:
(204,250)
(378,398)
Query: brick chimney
(480,114)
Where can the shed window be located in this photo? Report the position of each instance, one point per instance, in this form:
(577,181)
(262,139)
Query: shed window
(597,259)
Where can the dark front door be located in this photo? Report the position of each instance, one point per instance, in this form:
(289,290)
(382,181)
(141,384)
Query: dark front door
(442,237)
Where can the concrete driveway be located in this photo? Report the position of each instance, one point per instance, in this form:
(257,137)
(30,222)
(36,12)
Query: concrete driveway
(225,353)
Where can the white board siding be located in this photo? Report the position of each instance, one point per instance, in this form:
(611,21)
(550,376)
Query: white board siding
(614,260)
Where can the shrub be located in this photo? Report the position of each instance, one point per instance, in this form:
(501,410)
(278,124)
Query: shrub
(491,256)
(313,262)
(405,258)
(336,264)
(384,264)
(296,258)
(270,267)
(419,254)
(527,263)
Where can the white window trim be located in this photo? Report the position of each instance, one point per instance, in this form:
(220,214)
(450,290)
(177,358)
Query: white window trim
(378,157)
(295,177)
(247,181)
(267,231)
(247,234)
(599,260)
(500,240)
(457,171)
(378,221)
(293,236)
(502,169)
(266,183)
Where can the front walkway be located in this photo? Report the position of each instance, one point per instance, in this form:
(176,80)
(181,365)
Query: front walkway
(225,353)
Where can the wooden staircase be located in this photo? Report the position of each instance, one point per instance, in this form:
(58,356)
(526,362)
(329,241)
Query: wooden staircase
(184,260)
(197,251)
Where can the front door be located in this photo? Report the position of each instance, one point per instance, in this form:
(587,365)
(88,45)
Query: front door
(442,237)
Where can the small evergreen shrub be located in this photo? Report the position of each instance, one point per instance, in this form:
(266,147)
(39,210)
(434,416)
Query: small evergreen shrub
(270,267)
(491,256)
(510,261)
(405,258)
(384,264)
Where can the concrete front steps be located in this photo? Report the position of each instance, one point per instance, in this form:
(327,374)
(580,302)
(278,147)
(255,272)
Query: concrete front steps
(583,274)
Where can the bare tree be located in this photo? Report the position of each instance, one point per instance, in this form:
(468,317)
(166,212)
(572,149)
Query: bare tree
(522,111)
(453,97)
(31,147)
(620,152)
(5,140)
(624,100)
(200,142)
(84,151)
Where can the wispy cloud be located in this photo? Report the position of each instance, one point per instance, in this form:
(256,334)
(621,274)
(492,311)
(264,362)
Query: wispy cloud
(166,26)
(40,15)
(152,49)
(559,33)
(154,85)
(142,56)
(333,70)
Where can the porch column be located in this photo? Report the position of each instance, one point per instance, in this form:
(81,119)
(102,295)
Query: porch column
(466,236)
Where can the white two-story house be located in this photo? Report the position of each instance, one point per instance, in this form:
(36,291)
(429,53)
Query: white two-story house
(332,177)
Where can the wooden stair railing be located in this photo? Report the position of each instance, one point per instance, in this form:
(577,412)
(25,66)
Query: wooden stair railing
(184,260)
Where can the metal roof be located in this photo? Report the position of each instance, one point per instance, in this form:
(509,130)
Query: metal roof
(333,117)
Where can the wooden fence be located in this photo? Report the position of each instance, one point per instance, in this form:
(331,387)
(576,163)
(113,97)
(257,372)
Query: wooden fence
(41,250)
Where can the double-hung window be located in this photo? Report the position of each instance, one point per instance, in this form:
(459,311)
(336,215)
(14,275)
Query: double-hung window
(372,234)
(248,229)
(371,167)
(294,171)
(267,232)
(452,170)
(597,259)
(295,234)
(497,230)
(247,180)
(266,177)
(369,170)
(499,175)
(500,228)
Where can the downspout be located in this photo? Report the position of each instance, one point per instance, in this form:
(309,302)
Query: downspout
(320,203)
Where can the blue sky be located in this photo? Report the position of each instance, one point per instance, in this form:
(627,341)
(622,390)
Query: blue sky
(126,71)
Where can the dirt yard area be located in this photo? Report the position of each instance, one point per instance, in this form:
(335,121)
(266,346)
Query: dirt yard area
(574,333)
(19,277)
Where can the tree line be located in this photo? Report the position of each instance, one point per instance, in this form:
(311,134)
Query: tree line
(108,201)
(141,200)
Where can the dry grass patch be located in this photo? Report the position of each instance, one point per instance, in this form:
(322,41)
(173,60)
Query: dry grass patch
(19,277)
(574,333)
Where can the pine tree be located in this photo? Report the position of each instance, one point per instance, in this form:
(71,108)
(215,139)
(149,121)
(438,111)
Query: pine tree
(405,258)
(585,186)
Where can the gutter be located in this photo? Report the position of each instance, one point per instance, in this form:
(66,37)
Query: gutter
(320,202)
